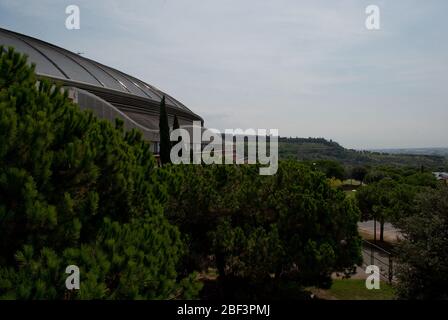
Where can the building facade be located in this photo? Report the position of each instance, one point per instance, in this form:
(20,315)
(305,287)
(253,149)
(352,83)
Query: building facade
(108,92)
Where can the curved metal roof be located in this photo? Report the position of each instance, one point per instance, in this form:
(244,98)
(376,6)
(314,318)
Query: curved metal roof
(57,63)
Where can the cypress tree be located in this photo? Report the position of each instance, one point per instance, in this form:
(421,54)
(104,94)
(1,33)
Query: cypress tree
(176,126)
(176,123)
(165,143)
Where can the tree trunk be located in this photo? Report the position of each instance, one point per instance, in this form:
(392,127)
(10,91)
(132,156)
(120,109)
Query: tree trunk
(382,230)
(374,230)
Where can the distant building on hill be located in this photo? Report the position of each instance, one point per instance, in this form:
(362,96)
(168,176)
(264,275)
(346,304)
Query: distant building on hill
(441,176)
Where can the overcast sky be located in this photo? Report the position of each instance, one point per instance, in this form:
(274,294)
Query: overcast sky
(308,68)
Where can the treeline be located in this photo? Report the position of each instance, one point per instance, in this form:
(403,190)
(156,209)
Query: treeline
(263,233)
(423,253)
(389,193)
(417,205)
(312,149)
(310,140)
(75,190)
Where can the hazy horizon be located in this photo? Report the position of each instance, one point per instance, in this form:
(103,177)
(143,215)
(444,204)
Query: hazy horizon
(308,68)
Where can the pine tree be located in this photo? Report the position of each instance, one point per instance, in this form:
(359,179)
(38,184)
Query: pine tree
(78,190)
(291,228)
(422,253)
(165,143)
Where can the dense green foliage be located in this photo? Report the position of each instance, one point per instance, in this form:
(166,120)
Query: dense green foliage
(423,254)
(331,169)
(262,231)
(417,205)
(390,193)
(77,190)
(359,173)
(164,128)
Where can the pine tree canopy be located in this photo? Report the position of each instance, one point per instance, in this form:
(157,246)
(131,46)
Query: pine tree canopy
(78,190)
(292,228)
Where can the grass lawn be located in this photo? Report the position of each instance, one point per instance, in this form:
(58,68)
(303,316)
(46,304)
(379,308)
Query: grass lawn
(352,182)
(355,289)
(350,194)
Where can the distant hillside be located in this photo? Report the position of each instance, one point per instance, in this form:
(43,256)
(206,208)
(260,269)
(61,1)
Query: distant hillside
(416,151)
(322,149)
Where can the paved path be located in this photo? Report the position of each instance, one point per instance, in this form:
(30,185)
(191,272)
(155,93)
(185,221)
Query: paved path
(391,234)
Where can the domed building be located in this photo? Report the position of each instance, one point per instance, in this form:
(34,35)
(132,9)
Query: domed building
(108,92)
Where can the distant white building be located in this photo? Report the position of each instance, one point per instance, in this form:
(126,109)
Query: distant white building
(441,175)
